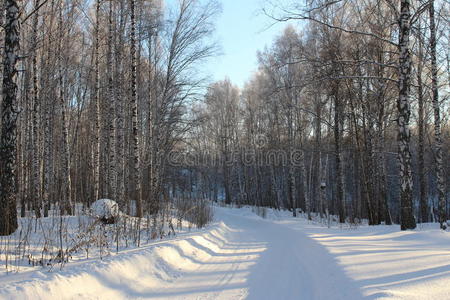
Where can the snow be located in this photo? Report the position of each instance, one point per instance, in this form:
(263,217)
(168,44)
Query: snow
(243,256)
(105,208)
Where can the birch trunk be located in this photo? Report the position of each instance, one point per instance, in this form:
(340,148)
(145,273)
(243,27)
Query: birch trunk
(134,114)
(120,112)
(97,104)
(37,201)
(305,185)
(404,111)
(48,178)
(8,167)
(66,202)
(437,121)
(112,176)
(291,179)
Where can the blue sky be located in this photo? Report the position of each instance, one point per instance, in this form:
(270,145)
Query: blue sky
(242,29)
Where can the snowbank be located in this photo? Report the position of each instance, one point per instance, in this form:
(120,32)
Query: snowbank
(243,256)
(136,273)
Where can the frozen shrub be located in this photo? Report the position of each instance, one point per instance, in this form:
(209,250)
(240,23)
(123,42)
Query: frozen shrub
(196,211)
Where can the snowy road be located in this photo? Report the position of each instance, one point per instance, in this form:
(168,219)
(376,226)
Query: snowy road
(242,256)
(258,259)
(238,258)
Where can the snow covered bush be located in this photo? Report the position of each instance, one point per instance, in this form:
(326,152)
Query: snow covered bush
(106,210)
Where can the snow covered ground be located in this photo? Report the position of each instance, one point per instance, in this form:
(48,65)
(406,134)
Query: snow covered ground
(242,256)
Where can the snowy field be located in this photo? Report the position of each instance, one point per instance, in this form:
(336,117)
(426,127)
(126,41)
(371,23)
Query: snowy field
(243,256)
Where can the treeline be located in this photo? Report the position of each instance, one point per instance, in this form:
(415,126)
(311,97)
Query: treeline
(354,103)
(94,96)
(347,113)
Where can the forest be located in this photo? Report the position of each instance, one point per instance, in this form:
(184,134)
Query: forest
(126,162)
(346,117)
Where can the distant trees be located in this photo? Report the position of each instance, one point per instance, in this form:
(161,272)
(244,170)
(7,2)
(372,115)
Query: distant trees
(344,95)
(222,100)
(336,120)
(361,21)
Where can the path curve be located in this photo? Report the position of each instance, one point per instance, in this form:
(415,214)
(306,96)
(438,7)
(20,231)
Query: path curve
(239,257)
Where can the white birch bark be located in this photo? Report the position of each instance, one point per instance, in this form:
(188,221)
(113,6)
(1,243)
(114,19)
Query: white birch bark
(36,181)
(404,111)
(440,177)
(112,176)
(8,167)
(120,124)
(66,201)
(134,113)
(96,147)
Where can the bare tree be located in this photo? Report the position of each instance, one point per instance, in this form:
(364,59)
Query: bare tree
(8,179)
(437,120)
(134,113)
(96,146)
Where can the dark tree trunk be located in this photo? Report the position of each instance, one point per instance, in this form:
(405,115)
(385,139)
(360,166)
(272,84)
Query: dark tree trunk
(421,150)
(8,167)
(338,155)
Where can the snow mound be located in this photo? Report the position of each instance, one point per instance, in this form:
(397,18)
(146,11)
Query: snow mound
(106,210)
(142,273)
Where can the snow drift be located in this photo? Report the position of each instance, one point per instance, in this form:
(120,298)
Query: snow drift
(243,256)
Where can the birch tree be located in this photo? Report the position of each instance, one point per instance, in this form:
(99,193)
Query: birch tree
(8,179)
(96,146)
(134,113)
(36,119)
(112,176)
(437,120)
(404,112)
(66,205)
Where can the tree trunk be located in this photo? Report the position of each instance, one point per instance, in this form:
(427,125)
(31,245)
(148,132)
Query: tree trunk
(120,113)
(134,114)
(338,155)
(291,179)
(97,132)
(421,142)
(404,111)
(8,167)
(112,110)
(305,185)
(323,184)
(48,177)
(37,201)
(437,121)
(66,201)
